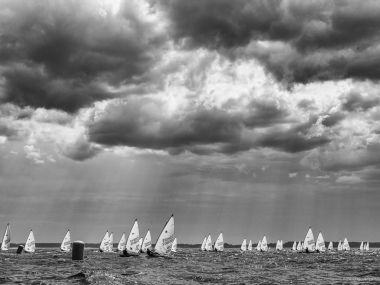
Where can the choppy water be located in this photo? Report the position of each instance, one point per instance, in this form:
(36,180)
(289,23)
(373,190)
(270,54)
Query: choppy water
(191,266)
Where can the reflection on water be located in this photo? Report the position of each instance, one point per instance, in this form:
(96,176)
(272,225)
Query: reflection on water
(191,266)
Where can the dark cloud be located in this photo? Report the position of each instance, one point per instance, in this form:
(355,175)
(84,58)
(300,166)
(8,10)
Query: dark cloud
(356,102)
(81,149)
(321,40)
(333,119)
(306,105)
(57,55)
(264,113)
(7,131)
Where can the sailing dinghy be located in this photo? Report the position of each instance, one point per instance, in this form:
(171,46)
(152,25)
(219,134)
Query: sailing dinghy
(340,247)
(219,243)
(258,247)
(104,243)
(147,242)
(367,246)
(174,245)
(309,244)
(30,245)
(164,242)
(250,245)
(6,243)
(294,247)
(208,246)
(132,247)
(346,245)
(361,248)
(320,245)
(331,246)
(110,243)
(66,242)
(243,246)
(122,242)
(203,246)
(264,244)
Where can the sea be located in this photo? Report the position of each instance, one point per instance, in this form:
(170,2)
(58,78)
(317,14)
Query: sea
(191,266)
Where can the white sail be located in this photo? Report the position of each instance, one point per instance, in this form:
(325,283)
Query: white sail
(340,248)
(243,246)
(309,244)
(346,245)
(6,243)
(264,244)
(30,245)
(203,246)
(278,245)
(320,245)
(208,246)
(294,247)
(361,248)
(250,245)
(367,246)
(122,242)
(104,244)
(281,245)
(219,243)
(110,243)
(147,242)
(331,246)
(165,240)
(66,242)
(174,245)
(258,247)
(132,244)
(140,243)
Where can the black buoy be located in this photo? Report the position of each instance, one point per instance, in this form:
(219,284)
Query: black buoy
(78,250)
(20,249)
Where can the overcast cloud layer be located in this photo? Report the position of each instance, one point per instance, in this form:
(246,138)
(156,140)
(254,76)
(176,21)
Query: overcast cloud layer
(252,91)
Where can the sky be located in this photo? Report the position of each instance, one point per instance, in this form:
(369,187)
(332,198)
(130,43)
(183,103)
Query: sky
(248,117)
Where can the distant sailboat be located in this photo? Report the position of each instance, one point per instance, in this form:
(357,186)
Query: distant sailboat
(264,244)
(104,243)
(6,244)
(30,245)
(346,245)
(361,248)
(309,244)
(258,247)
(294,247)
(147,242)
(243,246)
(299,246)
(208,246)
(340,247)
(331,246)
(203,246)
(320,245)
(279,246)
(219,243)
(174,245)
(66,242)
(165,240)
(132,247)
(110,243)
(250,245)
(367,246)
(122,242)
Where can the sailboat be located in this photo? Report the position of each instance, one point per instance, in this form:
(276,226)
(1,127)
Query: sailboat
(30,245)
(331,246)
(299,246)
(361,248)
(122,242)
(203,246)
(279,245)
(320,245)
(208,246)
(258,247)
(294,247)
(147,242)
(104,243)
(6,244)
(346,245)
(110,243)
(340,247)
(165,240)
(66,242)
(367,246)
(309,244)
(264,244)
(174,245)
(219,243)
(243,246)
(250,245)
(132,246)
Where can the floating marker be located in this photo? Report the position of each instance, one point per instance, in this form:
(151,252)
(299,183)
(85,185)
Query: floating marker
(78,250)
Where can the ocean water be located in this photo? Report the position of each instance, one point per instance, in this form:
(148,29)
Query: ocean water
(191,266)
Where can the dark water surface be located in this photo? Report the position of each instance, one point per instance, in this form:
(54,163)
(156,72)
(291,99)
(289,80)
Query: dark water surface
(191,266)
